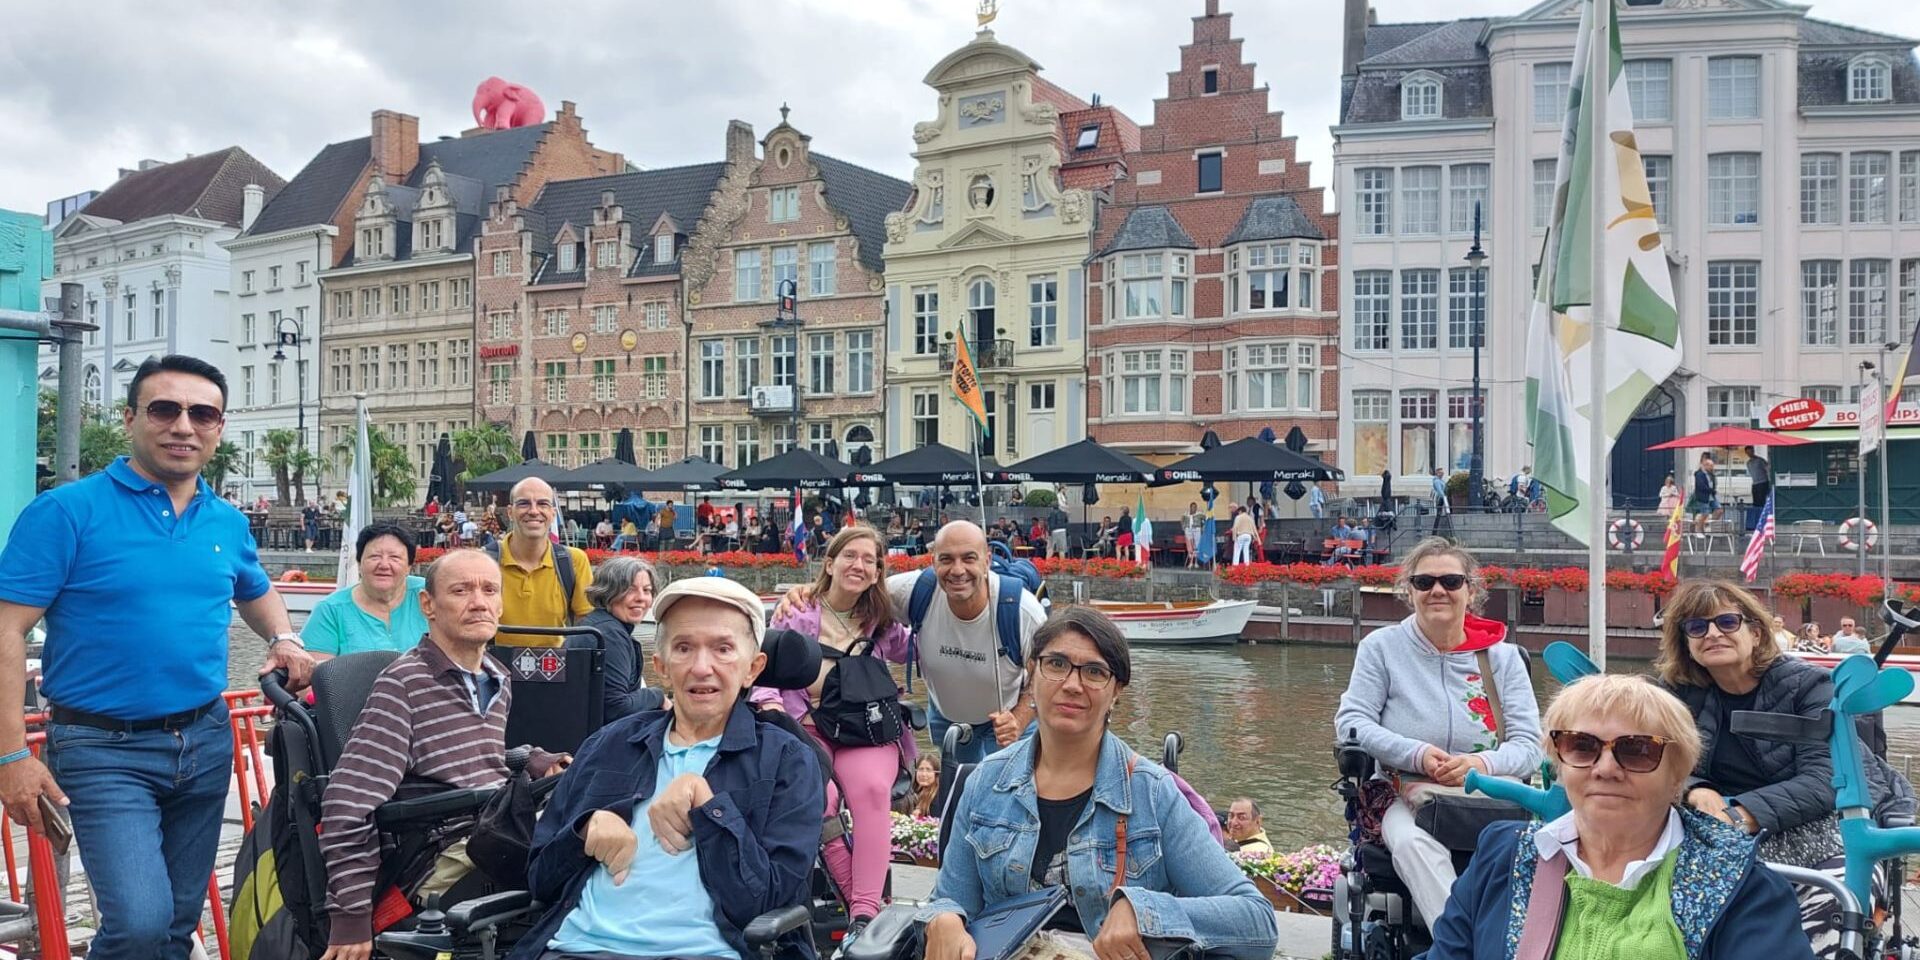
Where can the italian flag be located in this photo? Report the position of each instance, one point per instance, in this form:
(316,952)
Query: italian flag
(1640,322)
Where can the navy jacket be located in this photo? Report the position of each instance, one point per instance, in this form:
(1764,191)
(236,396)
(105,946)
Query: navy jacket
(1725,902)
(620,662)
(756,839)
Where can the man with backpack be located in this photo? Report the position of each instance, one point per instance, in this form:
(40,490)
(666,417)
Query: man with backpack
(972,627)
(543,584)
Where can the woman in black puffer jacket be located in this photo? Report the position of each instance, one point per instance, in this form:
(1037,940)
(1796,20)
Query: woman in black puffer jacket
(1717,654)
(621,594)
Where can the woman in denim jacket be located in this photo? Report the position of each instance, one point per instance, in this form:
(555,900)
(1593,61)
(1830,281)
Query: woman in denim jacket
(1048,810)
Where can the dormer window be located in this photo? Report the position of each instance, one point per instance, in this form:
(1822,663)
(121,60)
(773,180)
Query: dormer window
(1869,80)
(432,235)
(663,248)
(1089,137)
(1420,97)
(568,260)
(606,254)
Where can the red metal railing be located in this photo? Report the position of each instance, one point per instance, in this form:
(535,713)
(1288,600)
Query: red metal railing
(250,776)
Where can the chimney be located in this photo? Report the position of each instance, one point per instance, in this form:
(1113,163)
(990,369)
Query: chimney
(396,144)
(252,199)
(1359,16)
(740,145)
(150,164)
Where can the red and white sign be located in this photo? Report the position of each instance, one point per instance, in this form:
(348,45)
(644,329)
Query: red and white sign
(1796,414)
(499,351)
(1845,415)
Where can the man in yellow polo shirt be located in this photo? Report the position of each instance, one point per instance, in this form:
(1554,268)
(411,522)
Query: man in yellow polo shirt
(532,591)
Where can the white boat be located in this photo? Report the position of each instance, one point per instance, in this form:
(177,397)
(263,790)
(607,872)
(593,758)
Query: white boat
(301,597)
(1905,661)
(1188,622)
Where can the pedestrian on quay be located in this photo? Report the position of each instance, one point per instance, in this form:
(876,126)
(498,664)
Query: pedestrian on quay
(1760,474)
(1192,526)
(1706,494)
(1669,496)
(135,567)
(310,523)
(1317,502)
(1244,532)
(1422,701)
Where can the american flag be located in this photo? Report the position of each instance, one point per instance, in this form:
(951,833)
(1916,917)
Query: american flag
(1757,546)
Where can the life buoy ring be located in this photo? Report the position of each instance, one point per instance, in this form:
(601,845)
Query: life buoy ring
(1850,526)
(1625,534)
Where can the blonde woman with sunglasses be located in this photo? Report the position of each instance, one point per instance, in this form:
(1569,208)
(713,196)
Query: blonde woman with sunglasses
(1435,696)
(1628,872)
(1717,655)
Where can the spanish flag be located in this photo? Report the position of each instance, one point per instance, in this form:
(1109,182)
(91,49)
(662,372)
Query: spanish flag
(966,383)
(1670,561)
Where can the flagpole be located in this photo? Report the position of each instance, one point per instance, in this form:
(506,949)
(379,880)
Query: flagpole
(1599,62)
(979,493)
(1889,396)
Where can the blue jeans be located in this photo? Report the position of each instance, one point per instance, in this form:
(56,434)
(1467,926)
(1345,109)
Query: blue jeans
(146,813)
(974,750)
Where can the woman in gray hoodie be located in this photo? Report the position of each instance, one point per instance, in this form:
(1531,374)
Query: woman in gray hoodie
(1420,701)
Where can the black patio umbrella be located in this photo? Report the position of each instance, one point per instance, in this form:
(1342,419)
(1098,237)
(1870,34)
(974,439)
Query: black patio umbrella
(600,475)
(528,450)
(799,467)
(505,477)
(1247,460)
(692,474)
(623,446)
(1266,487)
(935,464)
(1083,462)
(440,482)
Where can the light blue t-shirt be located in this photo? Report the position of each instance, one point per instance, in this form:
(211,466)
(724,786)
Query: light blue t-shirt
(338,626)
(662,910)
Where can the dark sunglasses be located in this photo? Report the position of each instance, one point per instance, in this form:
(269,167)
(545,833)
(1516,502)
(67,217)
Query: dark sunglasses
(1425,581)
(1696,627)
(163,413)
(1057,668)
(1635,753)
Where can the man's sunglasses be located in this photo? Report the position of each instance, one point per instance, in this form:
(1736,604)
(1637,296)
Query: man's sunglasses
(1635,753)
(1425,581)
(1696,627)
(164,413)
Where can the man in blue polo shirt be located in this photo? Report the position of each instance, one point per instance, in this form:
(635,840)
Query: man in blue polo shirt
(133,568)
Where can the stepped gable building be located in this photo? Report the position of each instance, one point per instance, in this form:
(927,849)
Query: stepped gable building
(1212,284)
(399,310)
(764,376)
(1783,157)
(581,330)
(992,246)
(148,251)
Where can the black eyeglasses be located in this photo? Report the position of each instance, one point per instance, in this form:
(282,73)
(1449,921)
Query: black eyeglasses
(1696,627)
(164,413)
(1425,581)
(1635,753)
(1056,668)
(528,504)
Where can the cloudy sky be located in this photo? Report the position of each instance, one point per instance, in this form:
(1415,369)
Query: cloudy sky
(91,87)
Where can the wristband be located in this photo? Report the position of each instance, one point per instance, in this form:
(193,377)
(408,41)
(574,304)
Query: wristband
(16,756)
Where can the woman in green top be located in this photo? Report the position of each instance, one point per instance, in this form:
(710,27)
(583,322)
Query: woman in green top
(1630,872)
(382,611)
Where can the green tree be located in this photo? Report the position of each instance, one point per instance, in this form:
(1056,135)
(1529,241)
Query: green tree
(393,477)
(224,463)
(287,460)
(483,449)
(102,437)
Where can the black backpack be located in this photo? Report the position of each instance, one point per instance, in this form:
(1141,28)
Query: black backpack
(859,702)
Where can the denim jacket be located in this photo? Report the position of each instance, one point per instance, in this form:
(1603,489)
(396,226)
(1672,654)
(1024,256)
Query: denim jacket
(1179,879)
(756,839)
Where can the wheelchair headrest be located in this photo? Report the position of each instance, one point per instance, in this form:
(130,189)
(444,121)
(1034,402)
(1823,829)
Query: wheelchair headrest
(340,689)
(793,661)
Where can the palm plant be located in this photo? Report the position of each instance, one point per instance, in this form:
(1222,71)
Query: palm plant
(482,449)
(281,451)
(224,463)
(392,471)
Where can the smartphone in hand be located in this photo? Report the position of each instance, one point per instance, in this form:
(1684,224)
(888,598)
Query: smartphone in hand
(57,826)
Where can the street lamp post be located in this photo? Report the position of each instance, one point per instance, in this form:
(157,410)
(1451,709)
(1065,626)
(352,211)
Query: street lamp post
(296,338)
(1477,461)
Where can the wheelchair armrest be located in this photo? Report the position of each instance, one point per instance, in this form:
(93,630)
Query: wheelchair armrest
(916,715)
(1169,948)
(490,911)
(774,924)
(1894,821)
(438,806)
(1355,763)
(886,934)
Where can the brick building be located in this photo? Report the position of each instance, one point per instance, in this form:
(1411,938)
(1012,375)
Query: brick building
(398,311)
(581,330)
(759,384)
(1212,290)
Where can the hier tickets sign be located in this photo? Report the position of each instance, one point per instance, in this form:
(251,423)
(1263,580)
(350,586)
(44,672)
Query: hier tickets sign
(1835,415)
(1797,414)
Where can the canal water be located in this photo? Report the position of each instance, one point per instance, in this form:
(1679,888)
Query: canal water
(1257,720)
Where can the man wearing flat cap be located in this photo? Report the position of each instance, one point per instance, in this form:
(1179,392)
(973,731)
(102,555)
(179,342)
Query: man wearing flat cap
(674,828)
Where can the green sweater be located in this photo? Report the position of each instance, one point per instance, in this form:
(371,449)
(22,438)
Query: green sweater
(1605,922)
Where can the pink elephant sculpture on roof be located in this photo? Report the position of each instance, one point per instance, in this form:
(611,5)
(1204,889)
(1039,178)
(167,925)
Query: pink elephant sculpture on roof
(499,105)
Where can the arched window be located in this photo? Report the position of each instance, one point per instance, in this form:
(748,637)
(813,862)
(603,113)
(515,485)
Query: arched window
(92,387)
(1420,97)
(980,306)
(858,437)
(1869,80)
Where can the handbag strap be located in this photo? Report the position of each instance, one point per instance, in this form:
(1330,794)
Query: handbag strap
(1546,905)
(1493,694)
(1120,836)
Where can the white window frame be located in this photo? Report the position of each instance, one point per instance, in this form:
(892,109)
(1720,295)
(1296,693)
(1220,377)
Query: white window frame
(1733,189)
(1466,184)
(1820,189)
(1820,296)
(1420,201)
(926,320)
(746,365)
(860,361)
(746,276)
(783,204)
(1733,303)
(1869,79)
(1650,84)
(713,368)
(1733,88)
(1421,96)
(1419,310)
(1373,310)
(1043,310)
(1544,172)
(820,352)
(1869,292)
(1373,193)
(925,425)
(1551,85)
(1869,190)
(822,269)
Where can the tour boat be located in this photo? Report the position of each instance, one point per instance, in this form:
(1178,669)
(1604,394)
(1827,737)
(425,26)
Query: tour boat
(1188,622)
(1905,661)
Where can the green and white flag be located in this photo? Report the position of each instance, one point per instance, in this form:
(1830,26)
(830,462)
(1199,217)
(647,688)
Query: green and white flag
(1640,322)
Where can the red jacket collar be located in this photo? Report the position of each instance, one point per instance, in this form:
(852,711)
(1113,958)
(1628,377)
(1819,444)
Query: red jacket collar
(1481,634)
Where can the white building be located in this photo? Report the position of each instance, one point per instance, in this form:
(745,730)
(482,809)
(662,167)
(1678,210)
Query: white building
(147,252)
(1784,157)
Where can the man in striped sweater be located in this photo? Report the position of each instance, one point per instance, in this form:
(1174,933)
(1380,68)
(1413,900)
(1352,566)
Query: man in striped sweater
(436,719)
